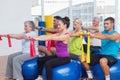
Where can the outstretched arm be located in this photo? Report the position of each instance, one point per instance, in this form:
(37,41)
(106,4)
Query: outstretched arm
(77,34)
(101,36)
(73,34)
(90,28)
(16,36)
(50,30)
(55,37)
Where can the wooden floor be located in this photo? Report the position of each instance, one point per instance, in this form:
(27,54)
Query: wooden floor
(3,60)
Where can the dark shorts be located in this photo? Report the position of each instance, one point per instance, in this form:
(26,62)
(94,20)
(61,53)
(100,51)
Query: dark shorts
(93,49)
(95,59)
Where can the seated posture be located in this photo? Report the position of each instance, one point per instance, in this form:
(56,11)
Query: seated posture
(42,49)
(109,50)
(75,46)
(94,28)
(62,55)
(15,61)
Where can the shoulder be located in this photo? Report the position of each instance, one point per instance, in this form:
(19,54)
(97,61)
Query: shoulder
(116,33)
(71,31)
(32,33)
(103,32)
(66,36)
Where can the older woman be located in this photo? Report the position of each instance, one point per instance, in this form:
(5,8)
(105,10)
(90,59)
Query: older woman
(13,70)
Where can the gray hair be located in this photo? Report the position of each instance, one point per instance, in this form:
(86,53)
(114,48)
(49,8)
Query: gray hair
(97,18)
(31,23)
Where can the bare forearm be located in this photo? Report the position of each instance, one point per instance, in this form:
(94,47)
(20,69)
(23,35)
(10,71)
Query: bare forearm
(99,36)
(50,30)
(43,38)
(74,35)
(18,36)
(52,37)
(78,34)
(90,28)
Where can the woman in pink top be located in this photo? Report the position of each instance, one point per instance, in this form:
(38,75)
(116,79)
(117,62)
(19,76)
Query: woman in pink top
(62,55)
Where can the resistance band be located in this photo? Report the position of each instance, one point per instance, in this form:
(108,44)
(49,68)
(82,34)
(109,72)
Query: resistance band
(48,45)
(88,49)
(0,38)
(9,41)
(82,55)
(32,48)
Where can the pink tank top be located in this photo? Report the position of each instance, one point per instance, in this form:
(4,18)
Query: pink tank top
(61,49)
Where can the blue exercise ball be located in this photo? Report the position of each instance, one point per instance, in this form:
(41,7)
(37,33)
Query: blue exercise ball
(70,71)
(114,72)
(30,69)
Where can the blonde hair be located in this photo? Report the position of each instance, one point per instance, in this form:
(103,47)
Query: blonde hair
(78,21)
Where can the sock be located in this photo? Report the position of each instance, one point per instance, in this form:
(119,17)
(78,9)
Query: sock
(89,73)
(107,77)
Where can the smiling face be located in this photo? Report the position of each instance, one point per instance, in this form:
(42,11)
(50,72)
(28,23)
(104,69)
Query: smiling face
(108,25)
(61,26)
(95,22)
(27,27)
(77,24)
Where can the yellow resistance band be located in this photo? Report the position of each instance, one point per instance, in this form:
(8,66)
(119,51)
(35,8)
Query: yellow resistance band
(82,55)
(88,49)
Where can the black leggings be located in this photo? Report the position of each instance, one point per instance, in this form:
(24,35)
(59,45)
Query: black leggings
(50,62)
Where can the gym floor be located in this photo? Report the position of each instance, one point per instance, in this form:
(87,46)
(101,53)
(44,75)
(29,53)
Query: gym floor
(3,61)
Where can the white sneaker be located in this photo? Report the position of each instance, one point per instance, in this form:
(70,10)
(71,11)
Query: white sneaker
(39,78)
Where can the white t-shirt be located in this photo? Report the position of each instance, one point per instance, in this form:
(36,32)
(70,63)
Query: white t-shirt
(26,43)
(94,41)
(84,41)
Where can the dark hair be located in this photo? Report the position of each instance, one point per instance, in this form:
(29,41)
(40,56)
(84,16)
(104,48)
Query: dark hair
(57,17)
(32,25)
(111,19)
(66,21)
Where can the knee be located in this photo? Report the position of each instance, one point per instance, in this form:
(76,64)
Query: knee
(79,58)
(103,61)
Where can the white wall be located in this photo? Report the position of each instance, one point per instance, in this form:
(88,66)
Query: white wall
(118,27)
(13,13)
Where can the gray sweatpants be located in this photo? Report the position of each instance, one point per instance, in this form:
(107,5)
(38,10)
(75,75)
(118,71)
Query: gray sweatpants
(14,65)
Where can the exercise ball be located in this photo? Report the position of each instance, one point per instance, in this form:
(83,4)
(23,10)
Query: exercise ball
(70,71)
(30,69)
(114,72)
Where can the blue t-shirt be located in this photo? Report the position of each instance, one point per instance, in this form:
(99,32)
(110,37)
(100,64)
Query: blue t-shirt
(110,47)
